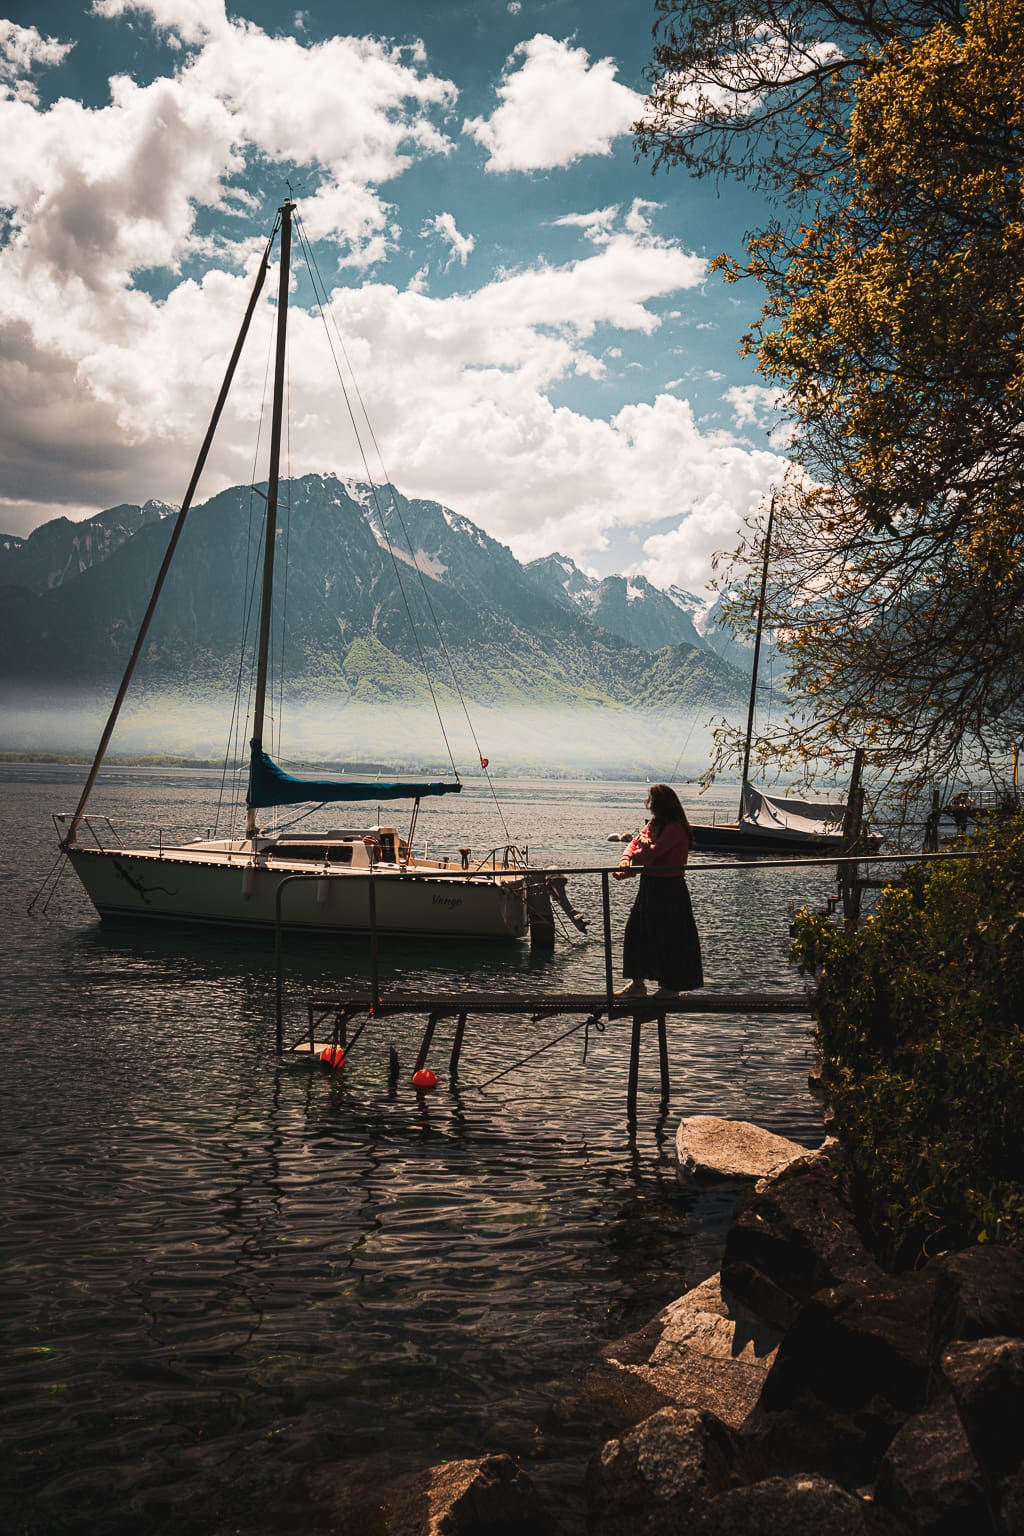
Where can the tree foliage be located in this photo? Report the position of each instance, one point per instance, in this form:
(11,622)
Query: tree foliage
(921,1029)
(894,328)
(761,88)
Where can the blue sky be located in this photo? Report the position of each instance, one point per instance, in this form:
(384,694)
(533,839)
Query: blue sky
(527,310)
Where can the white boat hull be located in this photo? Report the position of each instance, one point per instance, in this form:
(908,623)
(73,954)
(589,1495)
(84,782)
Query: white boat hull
(184,887)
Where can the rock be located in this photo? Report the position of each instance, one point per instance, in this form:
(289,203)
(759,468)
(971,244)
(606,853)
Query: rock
(650,1481)
(849,1371)
(704,1322)
(710,1147)
(802,1505)
(1010,1501)
(729,1389)
(701,1353)
(486,1496)
(979,1294)
(609,1401)
(790,1238)
(986,1377)
(930,1477)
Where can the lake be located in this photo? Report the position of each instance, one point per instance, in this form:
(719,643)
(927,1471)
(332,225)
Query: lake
(223,1274)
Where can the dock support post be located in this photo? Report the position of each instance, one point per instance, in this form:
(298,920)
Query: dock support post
(663,1058)
(460,1029)
(634,1066)
(374,974)
(428,1035)
(606,914)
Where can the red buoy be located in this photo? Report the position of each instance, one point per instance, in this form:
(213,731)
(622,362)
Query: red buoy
(424,1078)
(333,1056)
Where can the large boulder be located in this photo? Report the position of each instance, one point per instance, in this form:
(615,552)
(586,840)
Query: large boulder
(802,1505)
(930,1477)
(702,1352)
(792,1236)
(708,1147)
(986,1377)
(484,1496)
(848,1373)
(649,1482)
(979,1294)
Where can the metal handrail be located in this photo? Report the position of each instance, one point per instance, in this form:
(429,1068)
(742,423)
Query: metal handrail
(605,872)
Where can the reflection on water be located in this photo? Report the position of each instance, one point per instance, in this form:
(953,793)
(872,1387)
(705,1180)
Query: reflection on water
(222,1273)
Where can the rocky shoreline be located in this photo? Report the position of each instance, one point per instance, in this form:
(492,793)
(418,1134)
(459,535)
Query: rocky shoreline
(802,1389)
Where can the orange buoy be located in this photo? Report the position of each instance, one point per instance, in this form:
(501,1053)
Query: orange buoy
(424,1078)
(333,1056)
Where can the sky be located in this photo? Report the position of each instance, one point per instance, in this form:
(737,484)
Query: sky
(526,311)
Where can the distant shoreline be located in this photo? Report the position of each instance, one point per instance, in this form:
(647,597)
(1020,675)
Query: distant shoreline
(168,760)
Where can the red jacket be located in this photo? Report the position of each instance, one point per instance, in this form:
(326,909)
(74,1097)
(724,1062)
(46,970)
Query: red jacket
(671,848)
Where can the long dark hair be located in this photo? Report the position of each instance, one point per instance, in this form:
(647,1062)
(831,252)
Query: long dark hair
(664,806)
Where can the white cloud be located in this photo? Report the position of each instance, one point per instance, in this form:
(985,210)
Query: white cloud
(460,389)
(597,224)
(554,108)
(754,405)
(23,49)
(460,247)
(191,20)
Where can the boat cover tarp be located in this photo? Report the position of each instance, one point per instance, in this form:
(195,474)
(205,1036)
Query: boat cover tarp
(270,785)
(777,816)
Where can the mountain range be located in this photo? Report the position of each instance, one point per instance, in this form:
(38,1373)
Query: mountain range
(374,589)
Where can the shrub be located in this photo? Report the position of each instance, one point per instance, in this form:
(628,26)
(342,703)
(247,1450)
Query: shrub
(920,1023)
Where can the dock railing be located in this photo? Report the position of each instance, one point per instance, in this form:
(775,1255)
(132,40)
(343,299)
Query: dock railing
(375,1004)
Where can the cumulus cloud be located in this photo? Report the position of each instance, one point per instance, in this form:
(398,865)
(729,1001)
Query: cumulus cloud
(754,405)
(23,49)
(554,107)
(460,247)
(461,390)
(191,20)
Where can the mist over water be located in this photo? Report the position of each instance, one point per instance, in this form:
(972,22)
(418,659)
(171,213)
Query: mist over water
(571,742)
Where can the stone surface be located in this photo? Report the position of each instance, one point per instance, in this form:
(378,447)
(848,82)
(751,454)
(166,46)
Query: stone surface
(848,1373)
(710,1147)
(700,1352)
(789,1506)
(651,1480)
(986,1377)
(609,1401)
(979,1294)
(485,1496)
(790,1238)
(930,1477)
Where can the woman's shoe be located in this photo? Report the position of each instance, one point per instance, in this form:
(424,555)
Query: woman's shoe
(666,992)
(636,988)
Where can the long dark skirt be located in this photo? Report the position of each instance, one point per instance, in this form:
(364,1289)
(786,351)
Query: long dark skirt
(661,940)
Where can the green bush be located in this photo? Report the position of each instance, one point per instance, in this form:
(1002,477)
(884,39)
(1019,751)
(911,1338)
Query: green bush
(920,1023)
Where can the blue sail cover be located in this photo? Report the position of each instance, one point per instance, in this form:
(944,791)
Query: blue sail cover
(270,785)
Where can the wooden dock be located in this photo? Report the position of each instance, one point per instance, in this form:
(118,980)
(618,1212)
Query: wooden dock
(331,1019)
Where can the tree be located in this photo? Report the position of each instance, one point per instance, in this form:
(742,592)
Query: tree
(760,89)
(894,326)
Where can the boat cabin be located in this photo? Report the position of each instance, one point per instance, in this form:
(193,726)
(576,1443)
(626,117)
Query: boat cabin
(359,848)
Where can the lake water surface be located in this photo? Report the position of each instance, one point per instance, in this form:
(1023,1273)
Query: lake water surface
(223,1275)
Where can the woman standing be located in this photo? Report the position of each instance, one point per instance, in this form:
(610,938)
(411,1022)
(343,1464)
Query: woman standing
(661,939)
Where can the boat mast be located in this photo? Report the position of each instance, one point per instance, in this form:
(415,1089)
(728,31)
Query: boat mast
(179,528)
(273,479)
(757,651)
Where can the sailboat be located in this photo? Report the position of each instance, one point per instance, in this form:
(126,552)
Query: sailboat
(354,879)
(776,824)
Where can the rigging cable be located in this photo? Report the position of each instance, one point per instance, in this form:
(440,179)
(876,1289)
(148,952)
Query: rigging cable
(233,745)
(317,279)
(373,489)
